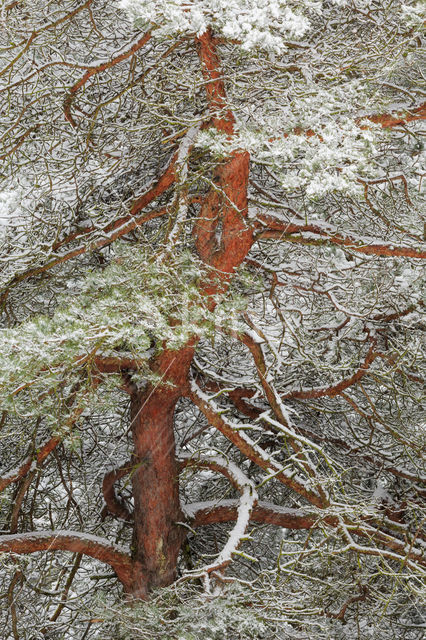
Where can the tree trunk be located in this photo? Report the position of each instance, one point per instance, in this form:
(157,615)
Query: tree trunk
(157,538)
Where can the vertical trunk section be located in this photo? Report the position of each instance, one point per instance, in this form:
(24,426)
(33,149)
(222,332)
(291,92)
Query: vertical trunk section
(157,538)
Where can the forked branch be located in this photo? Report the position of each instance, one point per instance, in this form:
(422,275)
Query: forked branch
(287,475)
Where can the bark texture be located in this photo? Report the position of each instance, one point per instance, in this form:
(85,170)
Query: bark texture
(157,536)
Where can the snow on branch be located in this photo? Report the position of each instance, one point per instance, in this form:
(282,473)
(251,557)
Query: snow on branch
(98,69)
(283,420)
(396,119)
(245,444)
(110,233)
(336,389)
(399,550)
(244,508)
(90,545)
(315,235)
(181,198)
(238,394)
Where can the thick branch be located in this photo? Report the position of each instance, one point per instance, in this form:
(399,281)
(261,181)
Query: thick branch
(385,120)
(222,117)
(315,235)
(73,541)
(212,512)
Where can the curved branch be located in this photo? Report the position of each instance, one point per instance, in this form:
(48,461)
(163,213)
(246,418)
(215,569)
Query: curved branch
(93,546)
(237,397)
(340,615)
(114,505)
(336,389)
(243,509)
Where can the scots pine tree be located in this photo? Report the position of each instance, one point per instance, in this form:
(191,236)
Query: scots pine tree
(211,251)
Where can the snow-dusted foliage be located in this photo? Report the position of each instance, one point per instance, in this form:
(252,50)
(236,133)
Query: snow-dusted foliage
(211,341)
(259,23)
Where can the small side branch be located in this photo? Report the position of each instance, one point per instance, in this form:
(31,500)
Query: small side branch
(114,505)
(20,472)
(111,232)
(340,615)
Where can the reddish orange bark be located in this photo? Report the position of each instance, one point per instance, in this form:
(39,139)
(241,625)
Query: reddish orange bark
(263,512)
(157,537)
(113,505)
